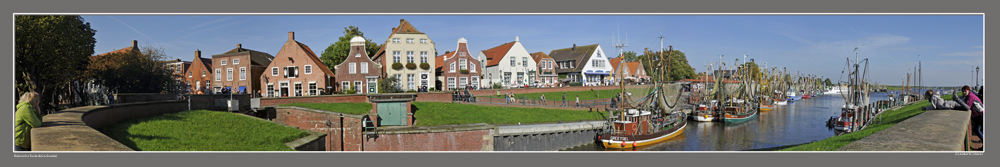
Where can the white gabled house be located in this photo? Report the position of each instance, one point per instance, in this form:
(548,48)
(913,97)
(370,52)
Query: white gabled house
(508,64)
(587,64)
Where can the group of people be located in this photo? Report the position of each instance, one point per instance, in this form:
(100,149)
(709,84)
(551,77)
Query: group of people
(970,101)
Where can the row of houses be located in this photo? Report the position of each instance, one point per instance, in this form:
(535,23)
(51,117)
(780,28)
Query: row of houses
(407,55)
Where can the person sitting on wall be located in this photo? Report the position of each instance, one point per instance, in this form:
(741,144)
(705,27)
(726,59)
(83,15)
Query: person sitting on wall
(26,117)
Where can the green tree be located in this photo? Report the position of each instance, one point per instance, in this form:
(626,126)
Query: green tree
(678,64)
(49,52)
(337,52)
(828,82)
(388,85)
(350,90)
(629,56)
(134,72)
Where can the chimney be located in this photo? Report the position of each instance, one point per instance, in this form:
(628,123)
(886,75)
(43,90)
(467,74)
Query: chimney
(239,46)
(394,29)
(197,53)
(516,38)
(135,43)
(291,35)
(446,52)
(574,47)
(401,21)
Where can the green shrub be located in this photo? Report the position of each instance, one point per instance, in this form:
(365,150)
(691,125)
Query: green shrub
(576,84)
(464,71)
(411,66)
(425,66)
(397,66)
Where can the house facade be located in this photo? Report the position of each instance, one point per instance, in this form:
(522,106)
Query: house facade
(358,69)
(508,64)
(458,69)
(547,75)
(178,69)
(586,64)
(199,75)
(407,55)
(296,71)
(237,69)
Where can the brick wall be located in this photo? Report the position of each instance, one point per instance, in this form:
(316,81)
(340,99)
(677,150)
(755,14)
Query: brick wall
(472,140)
(343,130)
(197,81)
(314,99)
(428,96)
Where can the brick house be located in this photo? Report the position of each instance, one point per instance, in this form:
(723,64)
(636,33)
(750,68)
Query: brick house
(547,75)
(408,46)
(457,69)
(630,71)
(178,69)
(199,74)
(238,69)
(358,69)
(296,71)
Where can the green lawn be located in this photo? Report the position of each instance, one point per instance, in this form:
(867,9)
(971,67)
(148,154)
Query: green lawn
(571,96)
(436,113)
(202,130)
(889,118)
(346,108)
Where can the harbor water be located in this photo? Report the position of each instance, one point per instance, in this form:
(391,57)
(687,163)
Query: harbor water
(798,122)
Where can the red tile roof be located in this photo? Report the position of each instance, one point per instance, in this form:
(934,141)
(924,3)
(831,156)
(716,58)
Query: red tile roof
(634,66)
(538,56)
(614,63)
(493,55)
(439,60)
(312,55)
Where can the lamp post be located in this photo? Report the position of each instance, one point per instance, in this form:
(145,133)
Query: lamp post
(977,76)
(505,91)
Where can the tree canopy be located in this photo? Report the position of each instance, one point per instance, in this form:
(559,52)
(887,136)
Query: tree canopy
(337,52)
(49,51)
(678,64)
(132,72)
(630,56)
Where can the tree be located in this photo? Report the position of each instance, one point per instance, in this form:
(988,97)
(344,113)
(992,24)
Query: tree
(49,51)
(678,64)
(134,72)
(337,52)
(629,56)
(388,85)
(828,82)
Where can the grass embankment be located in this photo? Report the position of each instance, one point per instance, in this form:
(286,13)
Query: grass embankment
(436,113)
(202,130)
(346,108)
(889,118)
(571,95)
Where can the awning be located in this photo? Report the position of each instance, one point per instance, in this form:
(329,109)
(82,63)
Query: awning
(594,73)
(243,89)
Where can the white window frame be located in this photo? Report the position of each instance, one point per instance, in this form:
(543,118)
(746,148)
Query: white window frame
(396,56)
(409,40)
(236,61)
(308,69)
(364,67)
(352,68)
(423,40)
(524,61)
(218,74)
(223,62)
(451,67)
(395,40)
(452,83)
(513,61)
(399,84)
(409,56)
(423,56)
(475,81)
(411,82)
(274,71)
(299,89)
(312,88)
(229,74)
(472,67)
(291,73)
(462,82)
(202,72)
(344,85)
(357,87)
(190,74)
(243,73)
(463,64)
(357,55)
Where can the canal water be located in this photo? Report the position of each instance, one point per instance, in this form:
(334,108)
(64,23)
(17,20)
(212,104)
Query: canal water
(798,122)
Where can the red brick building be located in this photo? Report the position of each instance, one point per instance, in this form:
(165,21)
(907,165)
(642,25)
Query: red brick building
(199,74)
(179,71)
(358,69)
(238,70)
(547,75)
(296,71)
(458,69)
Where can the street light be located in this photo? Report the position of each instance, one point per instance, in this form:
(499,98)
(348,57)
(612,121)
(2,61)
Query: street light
(977,76)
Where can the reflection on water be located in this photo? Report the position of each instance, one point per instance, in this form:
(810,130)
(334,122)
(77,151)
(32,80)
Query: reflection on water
(798,122)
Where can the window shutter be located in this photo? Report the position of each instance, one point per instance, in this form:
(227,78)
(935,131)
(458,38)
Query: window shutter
(296,71)
(286,71)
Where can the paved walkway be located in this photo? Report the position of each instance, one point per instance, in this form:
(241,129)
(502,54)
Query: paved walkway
(934,130)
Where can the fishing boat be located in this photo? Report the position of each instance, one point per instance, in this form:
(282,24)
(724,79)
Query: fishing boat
(853,114)
(703,112)
(833,90)
(645,120)
(738,112)
(766,103)
(792,97)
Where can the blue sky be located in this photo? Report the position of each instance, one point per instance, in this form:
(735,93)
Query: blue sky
(949,46)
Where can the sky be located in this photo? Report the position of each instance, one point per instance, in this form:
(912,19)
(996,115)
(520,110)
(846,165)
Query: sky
(947,47)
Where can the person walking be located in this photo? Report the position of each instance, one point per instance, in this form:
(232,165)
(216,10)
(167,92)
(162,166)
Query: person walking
(577,100)
(25,118)
(564,101)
